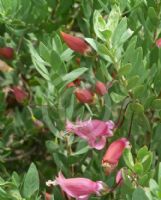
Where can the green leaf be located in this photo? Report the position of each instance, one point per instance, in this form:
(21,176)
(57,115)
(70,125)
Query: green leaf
(116,97)
(144,180)
(153,16)
(121,34)
(139,91)
(56,63)
(145,157)
(81,151)
(113,18)
(132,82)
(100,27)
(137,108)
(124,70)
(154,187)
(106,53)
(142,153)
(156,104)
(87,8)
(92,42)
(71,76)
(159,174)
(139,194)
(44,52)
(39,62)
(127,155)
(31,182)
(138,168)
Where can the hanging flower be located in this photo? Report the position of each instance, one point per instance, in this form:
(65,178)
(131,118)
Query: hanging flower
(75,43)
(78,188)
(94,131)
(113,154)
(7,52)
(100,88)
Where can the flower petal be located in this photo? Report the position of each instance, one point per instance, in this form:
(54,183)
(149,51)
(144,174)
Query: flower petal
(85,197)
(98,144)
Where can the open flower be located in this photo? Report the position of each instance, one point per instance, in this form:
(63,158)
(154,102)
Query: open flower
(113,154)
(7,52)
(94,131)
(75,43)
(78,188)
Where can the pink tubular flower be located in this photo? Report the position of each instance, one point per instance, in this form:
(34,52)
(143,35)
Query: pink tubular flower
(94,131)
(100,88)
(7,52)
(84,95)
(20,94)
(113,154)
(78,188)
(158,43)
(75,43)
(119,178)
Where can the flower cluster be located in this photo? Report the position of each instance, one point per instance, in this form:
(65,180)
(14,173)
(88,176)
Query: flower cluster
(95,132)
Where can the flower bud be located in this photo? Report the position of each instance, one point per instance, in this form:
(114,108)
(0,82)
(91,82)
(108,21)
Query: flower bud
(100,88)
(113,154)
(47,196)
(39,124)
(20,94)
(78,60)
(158,43)
(119,178)
(75,43)
(7,52)
(84,95)
(71,84)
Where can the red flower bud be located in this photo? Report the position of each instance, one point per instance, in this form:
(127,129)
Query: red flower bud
(158,43)
(47,196)
(71,84)
(20,94)
(78,60)
(113,154)
(7,52)
(75,43)
(100,88)
(84,95)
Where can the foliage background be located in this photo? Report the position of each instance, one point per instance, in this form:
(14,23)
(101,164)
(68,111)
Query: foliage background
(122,34)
